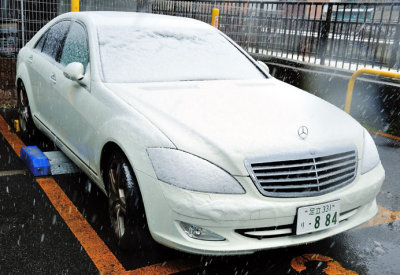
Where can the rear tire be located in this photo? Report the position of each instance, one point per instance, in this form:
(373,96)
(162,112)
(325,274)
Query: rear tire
(26,123)
(125,205)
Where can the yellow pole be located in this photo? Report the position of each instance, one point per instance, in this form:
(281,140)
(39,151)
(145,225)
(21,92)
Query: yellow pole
(16,125)
(352,80)
(215,17)
(75,5)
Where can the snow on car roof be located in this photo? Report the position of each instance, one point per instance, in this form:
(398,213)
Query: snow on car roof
(149,48)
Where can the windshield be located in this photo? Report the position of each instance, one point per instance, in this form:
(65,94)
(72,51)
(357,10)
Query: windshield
(156,54)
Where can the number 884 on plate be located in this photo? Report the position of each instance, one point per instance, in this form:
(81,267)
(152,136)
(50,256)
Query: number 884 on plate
(317,217)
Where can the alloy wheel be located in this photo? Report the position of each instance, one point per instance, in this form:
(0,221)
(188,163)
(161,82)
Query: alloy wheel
(117,200)
(23,110)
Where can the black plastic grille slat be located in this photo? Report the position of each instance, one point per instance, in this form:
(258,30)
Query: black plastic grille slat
(319,161)
(287,179)
(287,163)
(305,177)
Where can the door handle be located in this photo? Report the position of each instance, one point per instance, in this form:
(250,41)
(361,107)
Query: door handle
(30,59)
(53,78)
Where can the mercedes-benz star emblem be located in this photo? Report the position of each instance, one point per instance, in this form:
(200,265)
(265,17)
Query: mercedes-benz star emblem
(303,132)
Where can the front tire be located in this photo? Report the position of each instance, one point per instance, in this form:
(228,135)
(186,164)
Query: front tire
(125,204)
(26,123)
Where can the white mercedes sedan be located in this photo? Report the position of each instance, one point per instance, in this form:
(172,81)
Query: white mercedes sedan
(190,138)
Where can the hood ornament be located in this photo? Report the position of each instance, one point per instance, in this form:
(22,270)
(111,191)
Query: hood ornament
(303,132)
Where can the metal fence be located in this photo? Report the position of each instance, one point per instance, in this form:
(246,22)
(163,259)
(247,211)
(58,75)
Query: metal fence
(21,19)
(343,35)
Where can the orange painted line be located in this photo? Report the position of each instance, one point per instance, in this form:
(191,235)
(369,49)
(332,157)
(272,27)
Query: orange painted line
(11,138)
(12,25)
(164,268)
(333,267)
(385,135)
(97,250)
(384,216)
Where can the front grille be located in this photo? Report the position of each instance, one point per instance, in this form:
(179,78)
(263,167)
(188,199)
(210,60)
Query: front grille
(303,177)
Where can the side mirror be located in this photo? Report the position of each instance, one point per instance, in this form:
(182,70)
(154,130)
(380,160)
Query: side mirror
(263,66)
(74,71)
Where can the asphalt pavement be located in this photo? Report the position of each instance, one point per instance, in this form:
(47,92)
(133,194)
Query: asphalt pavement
(37,237)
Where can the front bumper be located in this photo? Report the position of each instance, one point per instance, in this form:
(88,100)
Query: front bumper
(231,215)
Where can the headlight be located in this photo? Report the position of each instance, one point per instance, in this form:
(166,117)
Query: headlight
(190,172)
(370,157)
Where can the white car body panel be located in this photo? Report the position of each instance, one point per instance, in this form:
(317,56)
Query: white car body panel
(229,121)
(223,121)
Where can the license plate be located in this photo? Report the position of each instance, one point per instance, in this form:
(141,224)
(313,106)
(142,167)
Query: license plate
(317,217)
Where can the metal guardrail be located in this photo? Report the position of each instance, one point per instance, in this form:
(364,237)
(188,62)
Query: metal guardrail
(353,78)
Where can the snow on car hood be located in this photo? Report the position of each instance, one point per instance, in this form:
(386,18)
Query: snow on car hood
(226,122)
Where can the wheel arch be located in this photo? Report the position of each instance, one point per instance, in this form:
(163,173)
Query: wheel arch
(106,152)
(22,77)
(19,82)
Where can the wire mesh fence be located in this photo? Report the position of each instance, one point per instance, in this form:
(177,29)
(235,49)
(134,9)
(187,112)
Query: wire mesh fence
(343,35)
(21,19)
(106,5)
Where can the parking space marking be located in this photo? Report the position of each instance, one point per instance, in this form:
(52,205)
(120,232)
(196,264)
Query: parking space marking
(11,138)
(164,268)
(13,172)
(333,267)
(102,257)
(385,135)
(384,216)
(97,250)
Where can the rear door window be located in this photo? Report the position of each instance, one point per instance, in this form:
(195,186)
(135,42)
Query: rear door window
(39,45)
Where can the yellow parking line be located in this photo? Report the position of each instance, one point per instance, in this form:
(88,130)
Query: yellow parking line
(11,138)
(384,216)
(101,256)
(97,250)
(332,268)
(164,268)
(385,135)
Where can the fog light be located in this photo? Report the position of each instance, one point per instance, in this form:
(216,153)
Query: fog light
(197,232)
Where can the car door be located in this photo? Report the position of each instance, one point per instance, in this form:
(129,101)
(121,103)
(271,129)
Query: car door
(34,61)
(42,61)
(74,102)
